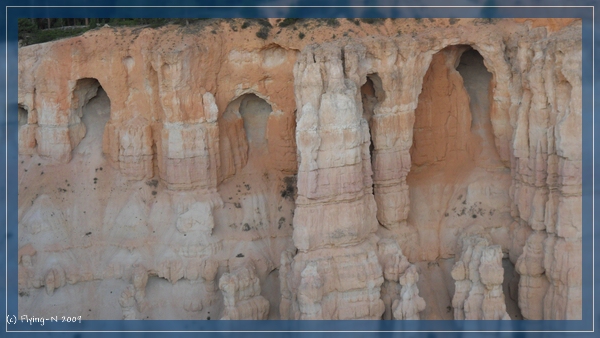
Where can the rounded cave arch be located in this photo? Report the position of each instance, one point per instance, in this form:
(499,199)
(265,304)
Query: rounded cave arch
(471,61)
(496,64)
(459,179)
(454,151)
(243,135)
(372,95)
(254,111)
(90,111)
(23,116)
(240,95)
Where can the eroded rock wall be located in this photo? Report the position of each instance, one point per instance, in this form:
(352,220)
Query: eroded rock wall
(546,188)
(153,162)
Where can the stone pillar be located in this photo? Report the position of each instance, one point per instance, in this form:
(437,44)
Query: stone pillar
(334,221)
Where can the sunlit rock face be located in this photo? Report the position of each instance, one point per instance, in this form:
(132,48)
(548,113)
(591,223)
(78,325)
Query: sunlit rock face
(387,169)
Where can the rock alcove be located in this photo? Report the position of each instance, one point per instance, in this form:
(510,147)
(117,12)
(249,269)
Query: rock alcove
(431,171)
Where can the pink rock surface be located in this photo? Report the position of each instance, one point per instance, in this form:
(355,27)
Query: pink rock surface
(198,172)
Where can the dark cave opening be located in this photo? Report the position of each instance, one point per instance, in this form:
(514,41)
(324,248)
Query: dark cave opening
(372,94)
(457,183)
(91,106)
(23,116)
(255,113)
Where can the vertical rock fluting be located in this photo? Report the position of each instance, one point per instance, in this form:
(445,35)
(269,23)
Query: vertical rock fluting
(335,274)
(241,293)
(478,274)
(402,65)
(187,195)
(188,150)
(394,264)
(134,143)
(410,303)
(399,291)
(546,190)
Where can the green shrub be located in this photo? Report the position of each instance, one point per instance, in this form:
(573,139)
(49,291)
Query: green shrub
(58,23)
(125,22)
(264,23)
(288,22)
(263,32)
(54,34)
(301,35)
(26,28)
(333,22)
(155,23)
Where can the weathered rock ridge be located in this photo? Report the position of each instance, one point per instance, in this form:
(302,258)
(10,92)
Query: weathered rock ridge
(399,169)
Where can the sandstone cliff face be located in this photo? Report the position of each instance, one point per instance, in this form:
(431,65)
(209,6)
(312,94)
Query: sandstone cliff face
(199,171)
(546,185)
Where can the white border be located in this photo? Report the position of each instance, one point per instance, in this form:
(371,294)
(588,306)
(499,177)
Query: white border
(293,6)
